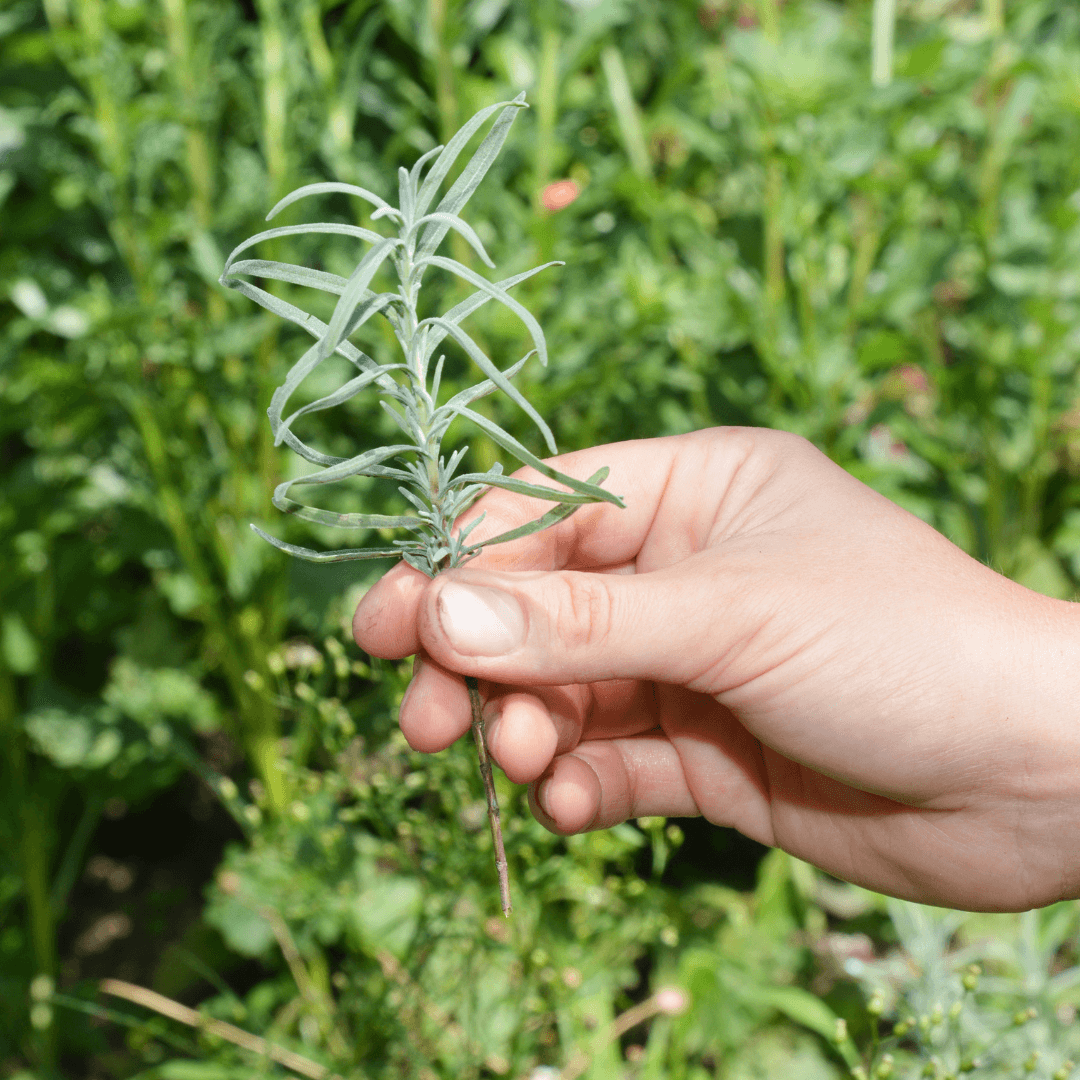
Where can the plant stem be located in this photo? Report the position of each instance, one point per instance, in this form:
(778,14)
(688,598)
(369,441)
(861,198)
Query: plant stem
(445,98)
(494,817)
(882,43)
(275,94)
(546,108)
(627,112)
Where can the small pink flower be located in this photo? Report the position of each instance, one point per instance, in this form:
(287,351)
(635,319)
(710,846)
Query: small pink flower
(560,194)
(882,445)
(913,379)
(671,1001)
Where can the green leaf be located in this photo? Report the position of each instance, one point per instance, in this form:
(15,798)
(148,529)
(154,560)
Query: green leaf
(522,487)
(456,144)
(460,226)
(244,930)
(526,457)
(462,188)
(342,322)
(386,914)
(327,227)
(496,293)
(71,740)
(326,187)
(290,272)
(552,517)
(346,555)
(18,646)
(806,1009)
(470,304)
(487,366)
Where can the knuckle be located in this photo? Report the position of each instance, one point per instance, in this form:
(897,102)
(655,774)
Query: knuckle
(584,611)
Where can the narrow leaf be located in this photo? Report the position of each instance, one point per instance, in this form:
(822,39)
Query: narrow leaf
(319,228)
(470,394)
(361,465)
(463,187)
(307,453)
(522,487)
(512,446)
(319,189)
(340,396)
(496,293)
(328,556)
(483,361)
(348,521)
(315,356)
(454,222)
(453,148)
(421,161)
(471,303)
(552,517)
(296,275)
(353,294)
(314,326)
(405,194)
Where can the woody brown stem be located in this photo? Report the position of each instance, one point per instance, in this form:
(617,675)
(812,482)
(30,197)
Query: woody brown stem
(494,818)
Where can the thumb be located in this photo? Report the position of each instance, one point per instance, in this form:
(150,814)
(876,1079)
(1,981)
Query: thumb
(564,627)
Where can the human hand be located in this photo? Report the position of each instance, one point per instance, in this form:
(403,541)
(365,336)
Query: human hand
(762,639)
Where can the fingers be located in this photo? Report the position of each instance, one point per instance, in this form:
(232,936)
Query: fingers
(604,782)
(529,628)
(435,711)
(680,477)
(384,623)
(521,735)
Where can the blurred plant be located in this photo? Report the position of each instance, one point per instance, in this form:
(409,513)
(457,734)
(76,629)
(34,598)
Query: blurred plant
(986,996)
(758,232)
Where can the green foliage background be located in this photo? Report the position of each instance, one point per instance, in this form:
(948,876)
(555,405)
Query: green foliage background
(763,236)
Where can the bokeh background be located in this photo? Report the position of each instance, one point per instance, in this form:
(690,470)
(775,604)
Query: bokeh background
(858,221)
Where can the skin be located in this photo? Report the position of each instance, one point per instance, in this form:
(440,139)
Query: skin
(760,638)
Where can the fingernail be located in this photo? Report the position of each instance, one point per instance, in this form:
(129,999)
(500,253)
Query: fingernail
(480,621)
(543,790)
